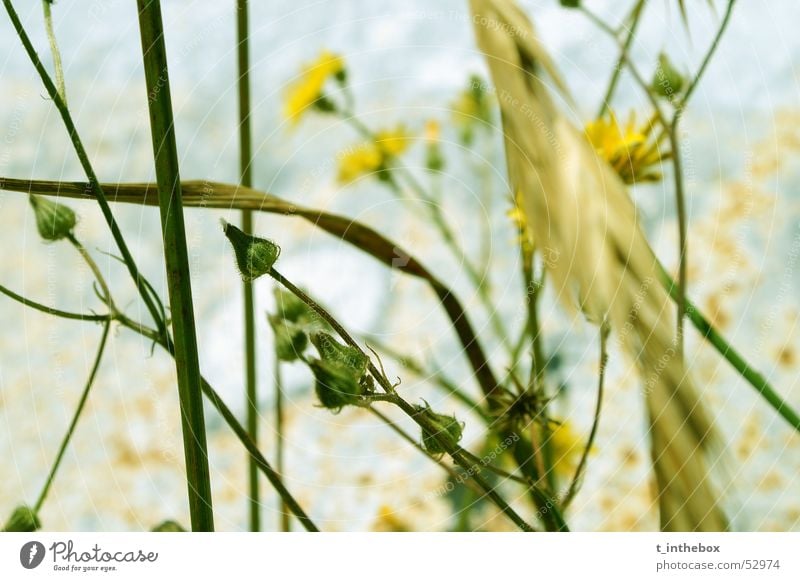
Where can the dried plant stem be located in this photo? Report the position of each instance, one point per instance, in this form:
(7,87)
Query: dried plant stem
(176,258)
(246,179)
(383,250)
(76,416)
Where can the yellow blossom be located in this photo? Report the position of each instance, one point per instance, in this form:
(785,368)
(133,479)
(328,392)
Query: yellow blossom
(373,156)
(393,141)
(520,220)
(307,90)
(433,131)
(629,150)
(358,161)
(567,447)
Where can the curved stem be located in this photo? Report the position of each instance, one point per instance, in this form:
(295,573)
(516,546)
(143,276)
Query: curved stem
(76,416)
(51,311)
(576,481)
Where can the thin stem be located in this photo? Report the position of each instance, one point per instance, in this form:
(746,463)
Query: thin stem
(51,311)
(576,481)
(753,377)
(93,187)
(71,429)
(683,242)
(285,523)
(98,275)
(245,168)
(176,257)
(51,37)
(453,450)
(634,19)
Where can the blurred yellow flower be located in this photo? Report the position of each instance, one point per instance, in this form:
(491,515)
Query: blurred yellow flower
(393,141)
(471,109)
(307,90)
(567,448)
(433,131)
(372,156)
(629,150)
(520,220)
(358,161)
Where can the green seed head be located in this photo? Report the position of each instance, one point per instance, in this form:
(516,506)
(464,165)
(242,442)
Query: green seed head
(255,256)
(448,428)
(23,520)
(53,220)
(337,385)
(668,82)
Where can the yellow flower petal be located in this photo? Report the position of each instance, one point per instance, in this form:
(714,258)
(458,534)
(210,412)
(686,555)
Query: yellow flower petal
(308,88)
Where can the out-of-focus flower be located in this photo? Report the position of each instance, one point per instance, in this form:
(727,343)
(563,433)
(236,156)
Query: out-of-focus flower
(373,156)
(434,160)
(393,141)
(358,161)
(308,90)
(471,109)
(520,220)
(567,447)
(629,150)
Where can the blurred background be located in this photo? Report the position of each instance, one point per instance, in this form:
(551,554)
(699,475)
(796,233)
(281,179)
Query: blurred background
(407,63)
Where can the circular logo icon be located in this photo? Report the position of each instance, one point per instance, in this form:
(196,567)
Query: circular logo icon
(31,554)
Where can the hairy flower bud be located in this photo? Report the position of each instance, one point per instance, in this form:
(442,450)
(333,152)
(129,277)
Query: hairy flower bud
(448,428)
(254,256)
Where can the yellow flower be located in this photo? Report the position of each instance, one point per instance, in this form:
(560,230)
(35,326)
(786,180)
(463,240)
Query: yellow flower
(433,131)
(393,141)
(470,108)
(373,156)
(360,160)
(307,90)
(567,448)
(629,150)
(520,220)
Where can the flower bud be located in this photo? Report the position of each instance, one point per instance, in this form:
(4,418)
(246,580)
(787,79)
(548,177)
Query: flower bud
(169,526)
(23,520)
(337,384)
(53,220)
(448,428)
(667,81)
(254,256)
(290,339)
(334,352)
